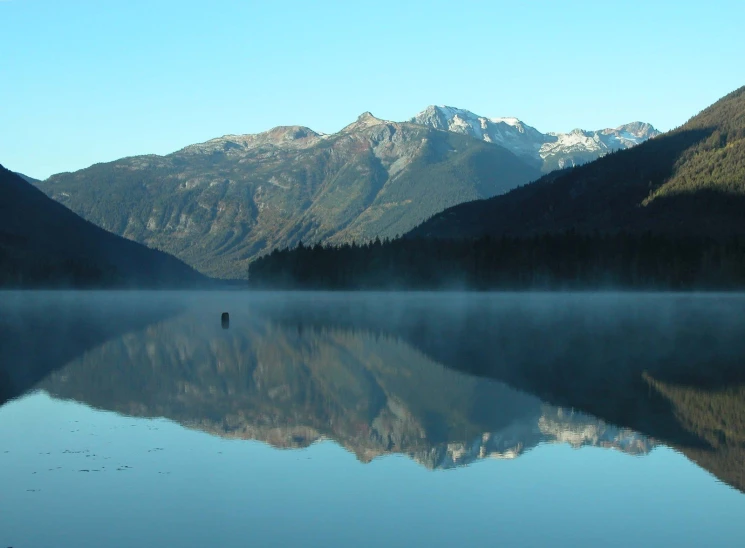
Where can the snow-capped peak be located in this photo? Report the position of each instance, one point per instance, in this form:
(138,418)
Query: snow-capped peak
(509,121)
(546,150)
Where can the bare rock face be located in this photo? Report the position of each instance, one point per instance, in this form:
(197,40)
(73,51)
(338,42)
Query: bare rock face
(218,204)
(364,120)
(290,137)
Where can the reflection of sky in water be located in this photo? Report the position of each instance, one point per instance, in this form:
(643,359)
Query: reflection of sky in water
(182,487)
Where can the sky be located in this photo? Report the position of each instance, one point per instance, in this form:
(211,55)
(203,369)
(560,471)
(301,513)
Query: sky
(86,81)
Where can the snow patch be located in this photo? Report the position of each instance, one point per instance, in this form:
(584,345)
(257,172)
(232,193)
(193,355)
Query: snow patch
(514,122)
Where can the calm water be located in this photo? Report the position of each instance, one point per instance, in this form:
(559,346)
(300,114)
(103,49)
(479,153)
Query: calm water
(135,419)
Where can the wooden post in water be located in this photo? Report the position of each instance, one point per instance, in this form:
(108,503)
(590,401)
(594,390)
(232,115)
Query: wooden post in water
(225,320)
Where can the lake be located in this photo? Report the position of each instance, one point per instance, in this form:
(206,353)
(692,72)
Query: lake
(398,419)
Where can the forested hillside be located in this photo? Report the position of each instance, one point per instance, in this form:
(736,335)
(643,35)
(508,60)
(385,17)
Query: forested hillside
(43,244)
(553,262)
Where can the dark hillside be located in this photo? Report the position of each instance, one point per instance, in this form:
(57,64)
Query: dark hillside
(44,244)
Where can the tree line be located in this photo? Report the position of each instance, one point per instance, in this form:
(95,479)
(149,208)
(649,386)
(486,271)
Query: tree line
(568,260)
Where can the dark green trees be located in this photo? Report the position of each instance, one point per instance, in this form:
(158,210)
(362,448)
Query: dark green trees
(568,260)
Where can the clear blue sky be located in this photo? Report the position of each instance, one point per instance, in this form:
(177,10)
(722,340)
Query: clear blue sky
(85,81)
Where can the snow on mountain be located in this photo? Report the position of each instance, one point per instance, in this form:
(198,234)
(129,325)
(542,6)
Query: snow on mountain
(545,150)
(511,133)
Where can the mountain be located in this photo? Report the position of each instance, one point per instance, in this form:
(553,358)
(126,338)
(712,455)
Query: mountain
(42,243)
(218,204)
(546,151)
(689,181)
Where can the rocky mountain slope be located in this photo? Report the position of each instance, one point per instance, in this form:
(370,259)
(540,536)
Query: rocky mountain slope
(547,151)
(688,181)
(217,205)
(42,243)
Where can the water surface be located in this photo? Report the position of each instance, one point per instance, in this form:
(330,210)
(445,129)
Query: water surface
(134,418)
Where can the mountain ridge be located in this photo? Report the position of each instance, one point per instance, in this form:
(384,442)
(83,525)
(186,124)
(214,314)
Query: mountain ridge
(688,181)
(222,203)
(219,204)
(548,151)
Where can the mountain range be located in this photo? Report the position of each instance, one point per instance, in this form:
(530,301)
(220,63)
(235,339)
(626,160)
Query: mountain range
(547,151)
(217,205)
(688,181)
(42,243)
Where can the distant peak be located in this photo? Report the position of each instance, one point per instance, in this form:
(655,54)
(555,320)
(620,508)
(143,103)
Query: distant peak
(441,116)
(281,136)
(452,112)
(366,119)
(640,129)
(509,120)
(290,132)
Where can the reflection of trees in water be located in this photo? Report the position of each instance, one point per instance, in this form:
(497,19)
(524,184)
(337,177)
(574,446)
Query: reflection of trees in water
(717,416)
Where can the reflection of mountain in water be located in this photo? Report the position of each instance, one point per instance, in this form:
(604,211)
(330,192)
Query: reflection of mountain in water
(554,425)
(669,366)
(291,386)
(365,370)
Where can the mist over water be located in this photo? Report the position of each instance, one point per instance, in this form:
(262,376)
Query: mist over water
(348,410)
